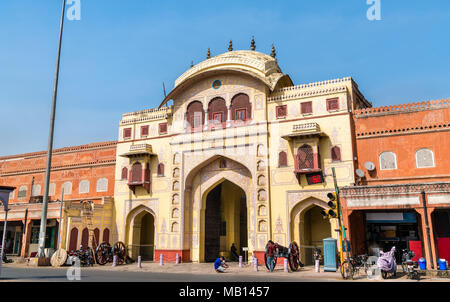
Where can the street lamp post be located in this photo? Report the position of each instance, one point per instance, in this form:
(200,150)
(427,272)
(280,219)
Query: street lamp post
(4,199)
(50,142)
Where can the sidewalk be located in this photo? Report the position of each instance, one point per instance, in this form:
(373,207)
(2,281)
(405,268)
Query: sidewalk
(248,270)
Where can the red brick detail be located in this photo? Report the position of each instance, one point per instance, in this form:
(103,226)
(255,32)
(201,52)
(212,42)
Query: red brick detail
(171,255)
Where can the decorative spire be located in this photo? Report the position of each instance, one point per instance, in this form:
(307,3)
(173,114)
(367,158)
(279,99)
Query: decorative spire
(230,46)
(208,55)
(192,64)
(273,54)
(252,44)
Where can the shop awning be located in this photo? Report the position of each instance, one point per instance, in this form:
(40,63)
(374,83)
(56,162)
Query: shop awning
(392,217)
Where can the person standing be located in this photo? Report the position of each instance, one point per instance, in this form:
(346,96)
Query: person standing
(270,253)
(234,252)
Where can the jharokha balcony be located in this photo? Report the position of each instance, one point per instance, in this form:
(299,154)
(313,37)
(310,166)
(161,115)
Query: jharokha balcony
(139,175)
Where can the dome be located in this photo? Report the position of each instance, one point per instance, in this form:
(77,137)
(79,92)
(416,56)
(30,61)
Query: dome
(255,64)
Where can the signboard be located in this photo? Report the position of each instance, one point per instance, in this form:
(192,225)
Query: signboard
(314,178)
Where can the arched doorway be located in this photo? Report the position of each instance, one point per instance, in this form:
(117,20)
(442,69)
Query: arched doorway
(142,234)
(309,228)
(225,221)
(314,229)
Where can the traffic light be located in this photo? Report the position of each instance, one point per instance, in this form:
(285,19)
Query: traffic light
(332,203)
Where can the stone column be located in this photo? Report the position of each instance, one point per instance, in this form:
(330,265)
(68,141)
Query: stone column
(228,117)
(206,120)
(26,239)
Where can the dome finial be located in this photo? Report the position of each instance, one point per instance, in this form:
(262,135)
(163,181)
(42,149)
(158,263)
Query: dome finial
(274,53)
(192,64)
(208,55)
(230,46)
(253,44)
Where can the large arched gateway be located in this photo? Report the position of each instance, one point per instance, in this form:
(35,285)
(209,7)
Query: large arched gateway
(217,208)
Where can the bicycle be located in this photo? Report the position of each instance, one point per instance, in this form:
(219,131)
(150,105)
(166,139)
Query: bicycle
(353,265)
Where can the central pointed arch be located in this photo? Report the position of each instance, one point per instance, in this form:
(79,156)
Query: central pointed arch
(199,183)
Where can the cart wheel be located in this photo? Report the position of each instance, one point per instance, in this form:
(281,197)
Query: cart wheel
(102,253)
(120,250)
(294,255)
(383,274)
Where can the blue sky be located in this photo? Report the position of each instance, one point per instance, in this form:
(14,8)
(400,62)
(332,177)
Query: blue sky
(115,59)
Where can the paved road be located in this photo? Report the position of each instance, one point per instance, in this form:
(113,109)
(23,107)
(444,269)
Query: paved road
(93,275)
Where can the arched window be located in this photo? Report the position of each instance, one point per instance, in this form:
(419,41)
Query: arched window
(335,153)
(85,238)
(83,187)
(36,190)
(217,111)
(52,189)
(67,186)
(241,108)
(282,159)
(97,237)
(106,235)
(102,185)
(388,161)
(305,157)
(424,158)
(23,191)
(161,169)
(73,240)
(124,173)
(175,227)
(136,173)
(195,114)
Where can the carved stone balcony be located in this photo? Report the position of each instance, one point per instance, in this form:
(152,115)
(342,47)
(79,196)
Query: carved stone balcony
(139,151)
(304,130)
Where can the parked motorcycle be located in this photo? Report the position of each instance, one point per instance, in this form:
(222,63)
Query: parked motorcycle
(387,264)
(85,256)
(408,265)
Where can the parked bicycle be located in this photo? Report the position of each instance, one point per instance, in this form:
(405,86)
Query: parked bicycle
(354,265)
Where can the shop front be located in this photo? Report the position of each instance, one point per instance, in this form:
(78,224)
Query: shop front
(13,237)
(385,229)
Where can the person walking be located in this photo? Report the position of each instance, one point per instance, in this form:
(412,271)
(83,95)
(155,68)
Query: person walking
(219,265)
(270,253)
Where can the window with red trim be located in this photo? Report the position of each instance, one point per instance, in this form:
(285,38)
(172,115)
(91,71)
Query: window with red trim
(127,133)
(333,104)
(144,130)
(282,159)
(218,117)
(124,173)
(335,153)
(241,114)
(281,111)
(163,128)
(161,169)
(306,107)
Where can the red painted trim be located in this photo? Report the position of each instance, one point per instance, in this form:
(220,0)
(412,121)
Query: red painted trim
(171,255)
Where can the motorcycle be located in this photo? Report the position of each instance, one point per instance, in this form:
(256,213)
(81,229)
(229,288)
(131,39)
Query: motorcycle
(387,264)
(408,265)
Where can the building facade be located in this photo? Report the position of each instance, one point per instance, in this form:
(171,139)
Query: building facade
(86,173)
(403,196)
(242,156)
